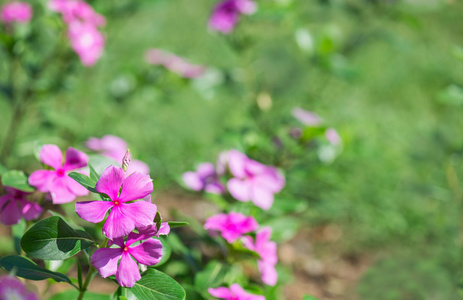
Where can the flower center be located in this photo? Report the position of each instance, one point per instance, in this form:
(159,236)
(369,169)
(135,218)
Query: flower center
(125,249)
(60,172)
(116,202)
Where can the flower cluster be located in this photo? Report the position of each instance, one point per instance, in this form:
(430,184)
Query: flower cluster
(61,187)
(114,147)
(251,181)
(227,12)
(83,23)
(234,226)
(125,215)
(174,63)
(15,11)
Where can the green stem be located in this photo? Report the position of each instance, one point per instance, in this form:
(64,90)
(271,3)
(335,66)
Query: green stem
(90,274)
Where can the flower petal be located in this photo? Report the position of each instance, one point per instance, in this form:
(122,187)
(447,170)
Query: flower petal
(110,181)
(141,212)
(105,260)
(75,159)
(136,186)
(30,210)
(75,187)
(236,163)
(147,253)
(216,222)
(193,181)
(262,197)
(42,179)
(10,214)
(127,272)
(93,211)
(240,189)
(221,292)
(60,193)
(52,156)
(138,166)
(268,272)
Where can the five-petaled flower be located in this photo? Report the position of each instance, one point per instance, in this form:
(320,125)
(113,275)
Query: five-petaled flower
(267,251)
(14,205)
(120,261)
(232,226)
(226,14)
(253,180)
(16,11)
(62,188)
(124,216)
(205,178)
(234,292)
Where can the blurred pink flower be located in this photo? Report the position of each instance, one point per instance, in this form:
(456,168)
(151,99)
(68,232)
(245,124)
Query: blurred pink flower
(11,288)
(114,147)
(253,180)
(122,261)
(307,118)
(267,251)
(333,136)
(226,14)
(62,188)
(232,226)
(82,23)
(14,205)
(234,292)
(205,178)
(125,215)
(16,11)
(174,63)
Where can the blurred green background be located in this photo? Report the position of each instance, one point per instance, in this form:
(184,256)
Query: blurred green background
(386,74)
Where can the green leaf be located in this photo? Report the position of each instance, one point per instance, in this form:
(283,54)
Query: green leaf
(211,276)
(158,220)
(308,297)
(54,239)
(26,268)
(17,180)
(166,251)
(175,224)
(3,169)
(73,294)
(84,181)
(155,285)
(18,230)
(312,132)
(93,174)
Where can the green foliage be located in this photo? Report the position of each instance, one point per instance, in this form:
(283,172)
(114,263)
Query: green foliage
(155,285)
(52,238)
(16,179)
(24,267)
(73,294)
(84,181)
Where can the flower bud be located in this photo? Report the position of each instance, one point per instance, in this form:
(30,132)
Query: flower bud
(126,161)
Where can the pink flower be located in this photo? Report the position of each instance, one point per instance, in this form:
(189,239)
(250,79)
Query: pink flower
(14,206)
(333,136)
(267,251)
(86,41)
(174,63)
(120,261)
(12,288)
(307,118)
(62,188)
(114,147)
(235,292)
(231,226)
(124,215)
(205,178)
(226,14)
(16,11)
(253,180)
(77,10)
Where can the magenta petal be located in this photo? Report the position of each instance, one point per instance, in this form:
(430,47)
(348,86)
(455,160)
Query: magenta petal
(60,193)
(147,253)
(193,181)
(141,212)
(110,181)
(216,222)
(248,242)
(105,260)
(240,189)
(138,166)
(10,214)
(42,179)
(52,156)
(164,229)
(30,210)
(262,197)
(221,292)
(136,186)
(93,211)
(268,272)
(236,163)
(75,159)
(127,272)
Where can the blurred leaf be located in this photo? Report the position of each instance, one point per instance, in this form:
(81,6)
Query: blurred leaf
(452,95)
(26,268)
(3,169)
(283,228)
(312,132)
(94,176)
(175,224)
(166,251)
(211,276)
(17,180)
(308,297)
(155,285)
(84,181)
(52,238)
(18,230)
(74,294)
